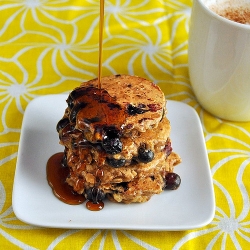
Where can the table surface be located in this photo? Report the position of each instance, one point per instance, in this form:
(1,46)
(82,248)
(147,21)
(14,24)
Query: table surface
(51,46)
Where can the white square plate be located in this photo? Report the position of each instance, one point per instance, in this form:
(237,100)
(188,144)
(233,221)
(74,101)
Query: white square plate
(191,206)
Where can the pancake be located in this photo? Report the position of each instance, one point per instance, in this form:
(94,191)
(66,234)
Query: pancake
(144,100)
(153,139)
(117,140)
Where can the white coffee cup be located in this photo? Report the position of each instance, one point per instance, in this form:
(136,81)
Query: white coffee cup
(219,63)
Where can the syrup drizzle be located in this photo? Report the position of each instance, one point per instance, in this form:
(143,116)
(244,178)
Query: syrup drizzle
(101,24)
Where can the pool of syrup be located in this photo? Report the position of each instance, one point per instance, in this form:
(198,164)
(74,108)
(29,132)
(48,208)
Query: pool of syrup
(56,176)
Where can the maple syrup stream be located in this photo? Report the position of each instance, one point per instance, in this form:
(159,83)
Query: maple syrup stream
(101,24)
(56,171)
(90,205)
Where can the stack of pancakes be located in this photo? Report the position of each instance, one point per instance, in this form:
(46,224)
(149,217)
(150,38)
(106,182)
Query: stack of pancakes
(116,139)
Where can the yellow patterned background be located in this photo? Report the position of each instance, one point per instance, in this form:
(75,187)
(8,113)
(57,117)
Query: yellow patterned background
(51,46)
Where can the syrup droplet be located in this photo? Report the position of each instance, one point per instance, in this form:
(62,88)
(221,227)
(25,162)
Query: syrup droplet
(94,206)
(56,176)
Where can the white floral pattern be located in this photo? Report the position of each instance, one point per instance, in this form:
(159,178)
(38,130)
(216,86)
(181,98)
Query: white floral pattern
(50,46)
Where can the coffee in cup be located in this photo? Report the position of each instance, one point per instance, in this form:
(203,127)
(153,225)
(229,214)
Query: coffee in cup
(237,11)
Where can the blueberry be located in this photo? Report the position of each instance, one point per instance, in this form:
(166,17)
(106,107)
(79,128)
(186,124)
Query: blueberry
(78,92)
(133,110)
(173,181)
(145,155)
(168,148)
(70,102)
(62,124)
(111,132)
(95,194)
(123,185)
(116,163)
(75,111)
(112,146)
(111,140)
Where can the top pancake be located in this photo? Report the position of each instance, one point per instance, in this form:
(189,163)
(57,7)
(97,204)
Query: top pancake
(140,98)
